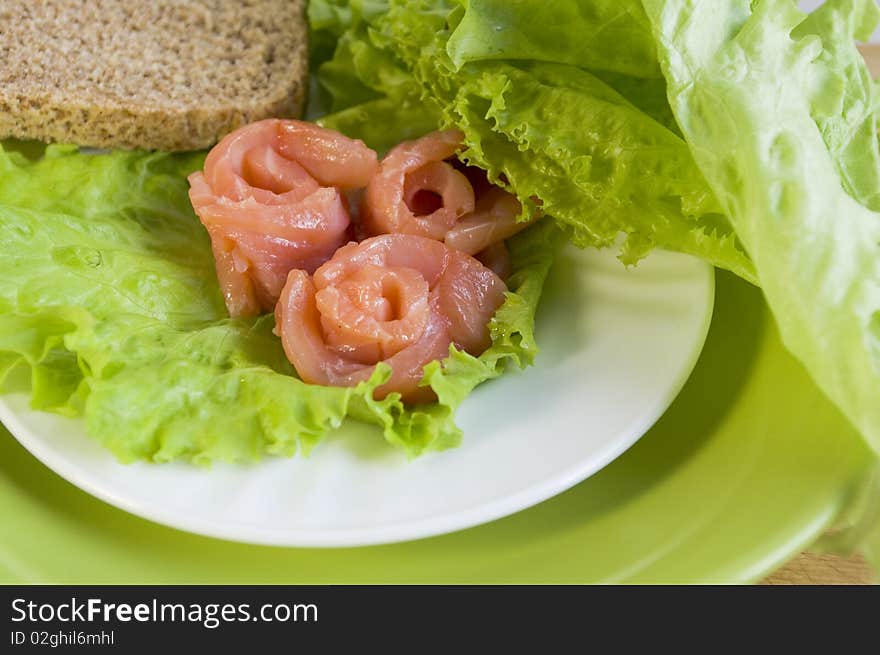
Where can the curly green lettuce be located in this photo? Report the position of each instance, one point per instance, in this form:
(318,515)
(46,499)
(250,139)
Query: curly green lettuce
(109,299)
(563,136)
(740,131)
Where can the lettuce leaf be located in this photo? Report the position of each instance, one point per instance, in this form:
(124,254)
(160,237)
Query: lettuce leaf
(756,150)
(847,117)
(556,134)
(779,113)
(610,38)
(365,91)
(108,298)
(770,166)
(609,35)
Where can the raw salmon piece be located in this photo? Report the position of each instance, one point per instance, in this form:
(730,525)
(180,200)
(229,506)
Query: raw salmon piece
(497,259)
(374,313)
(495,219)
(330,157)
(272,199)
(398,299)
(417,191)
(391,203)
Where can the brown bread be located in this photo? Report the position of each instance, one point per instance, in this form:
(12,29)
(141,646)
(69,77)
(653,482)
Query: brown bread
(163,74)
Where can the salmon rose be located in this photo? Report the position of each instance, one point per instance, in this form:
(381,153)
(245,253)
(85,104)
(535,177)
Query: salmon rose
(399,299)
(421,189)
(271,198)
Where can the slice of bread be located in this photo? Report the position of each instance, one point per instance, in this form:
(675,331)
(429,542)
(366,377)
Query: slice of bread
(162,74)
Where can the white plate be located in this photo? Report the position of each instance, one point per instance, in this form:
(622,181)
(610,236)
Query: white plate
(617,346)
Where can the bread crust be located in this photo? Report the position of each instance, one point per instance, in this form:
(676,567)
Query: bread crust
(167,75)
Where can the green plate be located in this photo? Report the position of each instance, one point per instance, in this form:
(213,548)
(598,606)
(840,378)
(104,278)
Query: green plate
(747,467)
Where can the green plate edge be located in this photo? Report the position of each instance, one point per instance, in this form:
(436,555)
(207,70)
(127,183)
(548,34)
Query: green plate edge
(747,468)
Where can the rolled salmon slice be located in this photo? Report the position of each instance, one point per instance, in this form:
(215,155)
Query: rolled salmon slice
(421,189)
(398,299)
(408,169)
(272,199)
(497,259)
(495,219)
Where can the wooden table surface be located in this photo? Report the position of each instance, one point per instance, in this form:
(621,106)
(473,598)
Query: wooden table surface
(809,569)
